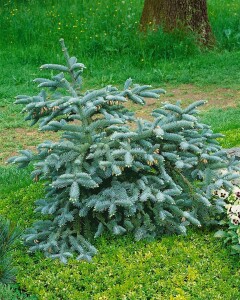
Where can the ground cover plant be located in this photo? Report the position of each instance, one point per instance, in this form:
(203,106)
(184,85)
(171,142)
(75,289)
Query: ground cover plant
(180,267)
(11,292)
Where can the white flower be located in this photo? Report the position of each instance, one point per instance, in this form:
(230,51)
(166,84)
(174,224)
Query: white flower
(234,220)
(234,209)
(233,212)
(222,194)
(236,192)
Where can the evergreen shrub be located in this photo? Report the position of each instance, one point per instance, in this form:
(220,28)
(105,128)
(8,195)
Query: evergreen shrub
(111,171)
(8,236)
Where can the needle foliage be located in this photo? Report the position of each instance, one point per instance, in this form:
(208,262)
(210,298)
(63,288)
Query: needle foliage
(111,171)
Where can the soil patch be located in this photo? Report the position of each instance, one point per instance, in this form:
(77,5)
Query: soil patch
(14,139)
(215,97)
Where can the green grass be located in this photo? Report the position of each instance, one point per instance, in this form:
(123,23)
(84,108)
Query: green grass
(12,179)
(226,121)
(223,119)
(106,27)
(105,36)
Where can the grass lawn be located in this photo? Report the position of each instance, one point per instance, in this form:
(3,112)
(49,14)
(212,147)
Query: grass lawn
(193,267)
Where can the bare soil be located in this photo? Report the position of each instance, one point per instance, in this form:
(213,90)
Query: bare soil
(14,139)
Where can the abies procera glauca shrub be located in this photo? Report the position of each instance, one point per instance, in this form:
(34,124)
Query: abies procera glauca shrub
(112,171)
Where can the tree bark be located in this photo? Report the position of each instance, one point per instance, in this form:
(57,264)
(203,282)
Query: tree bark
(172,14)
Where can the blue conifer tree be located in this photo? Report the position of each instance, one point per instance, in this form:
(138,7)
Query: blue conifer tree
(111,171)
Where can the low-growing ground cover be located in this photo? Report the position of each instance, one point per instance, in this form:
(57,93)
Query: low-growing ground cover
(195,267)
(175,267)
(10,292)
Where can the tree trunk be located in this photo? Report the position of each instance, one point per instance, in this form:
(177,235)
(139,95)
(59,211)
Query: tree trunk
(172,14)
